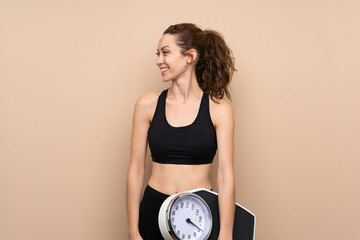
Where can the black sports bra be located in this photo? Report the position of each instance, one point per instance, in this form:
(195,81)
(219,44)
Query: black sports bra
(192,144)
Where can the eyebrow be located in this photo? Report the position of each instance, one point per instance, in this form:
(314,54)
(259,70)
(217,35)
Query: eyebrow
(163,48)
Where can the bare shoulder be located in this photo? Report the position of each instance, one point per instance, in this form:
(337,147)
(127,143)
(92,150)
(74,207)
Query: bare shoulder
(221,107)
(145,106)
(221,111)
(147,100)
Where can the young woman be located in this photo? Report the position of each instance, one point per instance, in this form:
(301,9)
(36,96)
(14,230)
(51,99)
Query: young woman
(184,126)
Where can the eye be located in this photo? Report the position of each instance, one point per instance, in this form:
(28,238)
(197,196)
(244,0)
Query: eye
(165,53)
(157,53)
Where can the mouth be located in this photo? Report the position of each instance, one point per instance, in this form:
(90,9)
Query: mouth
(163,71)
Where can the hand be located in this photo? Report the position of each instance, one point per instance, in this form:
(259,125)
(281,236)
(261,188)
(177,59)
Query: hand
(136,236)
(225,236)
(139,238)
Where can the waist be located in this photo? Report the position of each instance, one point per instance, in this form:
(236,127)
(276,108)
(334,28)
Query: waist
(175,178)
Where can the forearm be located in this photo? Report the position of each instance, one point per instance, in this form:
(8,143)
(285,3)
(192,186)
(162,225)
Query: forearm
(133,197)
(226,206)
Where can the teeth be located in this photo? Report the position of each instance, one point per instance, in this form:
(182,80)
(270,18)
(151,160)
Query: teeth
(164,69)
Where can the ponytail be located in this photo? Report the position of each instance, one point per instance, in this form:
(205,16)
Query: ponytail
(215,65)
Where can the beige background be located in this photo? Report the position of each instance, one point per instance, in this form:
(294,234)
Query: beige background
(70,72)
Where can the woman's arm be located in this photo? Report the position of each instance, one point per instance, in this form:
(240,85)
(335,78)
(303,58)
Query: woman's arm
(136,171)
(225,138)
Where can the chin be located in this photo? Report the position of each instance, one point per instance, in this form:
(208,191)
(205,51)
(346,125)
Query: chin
(166,79)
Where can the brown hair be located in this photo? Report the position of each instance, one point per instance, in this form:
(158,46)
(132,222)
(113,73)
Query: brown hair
(215,65)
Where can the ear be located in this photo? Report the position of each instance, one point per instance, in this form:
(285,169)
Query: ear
(191,56)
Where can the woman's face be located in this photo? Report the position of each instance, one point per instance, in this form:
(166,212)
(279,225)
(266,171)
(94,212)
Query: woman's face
(171,62)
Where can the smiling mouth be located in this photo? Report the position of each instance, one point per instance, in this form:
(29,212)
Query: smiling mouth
(163,71)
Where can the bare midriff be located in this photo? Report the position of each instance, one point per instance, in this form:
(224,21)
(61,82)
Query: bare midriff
(175,178)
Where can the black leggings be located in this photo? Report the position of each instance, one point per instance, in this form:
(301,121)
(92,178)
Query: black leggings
(148,215)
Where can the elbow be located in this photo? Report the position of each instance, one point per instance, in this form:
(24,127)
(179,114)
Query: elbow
(220,181)
(226,180)
(136,170)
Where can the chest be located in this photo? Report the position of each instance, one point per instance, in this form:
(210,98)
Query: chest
(180,115)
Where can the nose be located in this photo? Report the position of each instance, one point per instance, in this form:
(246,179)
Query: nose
(160,60)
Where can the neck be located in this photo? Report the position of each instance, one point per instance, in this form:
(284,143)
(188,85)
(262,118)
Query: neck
(185,88)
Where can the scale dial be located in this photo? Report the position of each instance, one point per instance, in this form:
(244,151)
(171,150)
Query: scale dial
(189,217)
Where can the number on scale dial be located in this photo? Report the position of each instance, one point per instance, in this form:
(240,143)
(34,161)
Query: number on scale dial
(190,217)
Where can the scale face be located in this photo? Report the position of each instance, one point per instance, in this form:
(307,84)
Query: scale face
(194,215)
(187,217)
